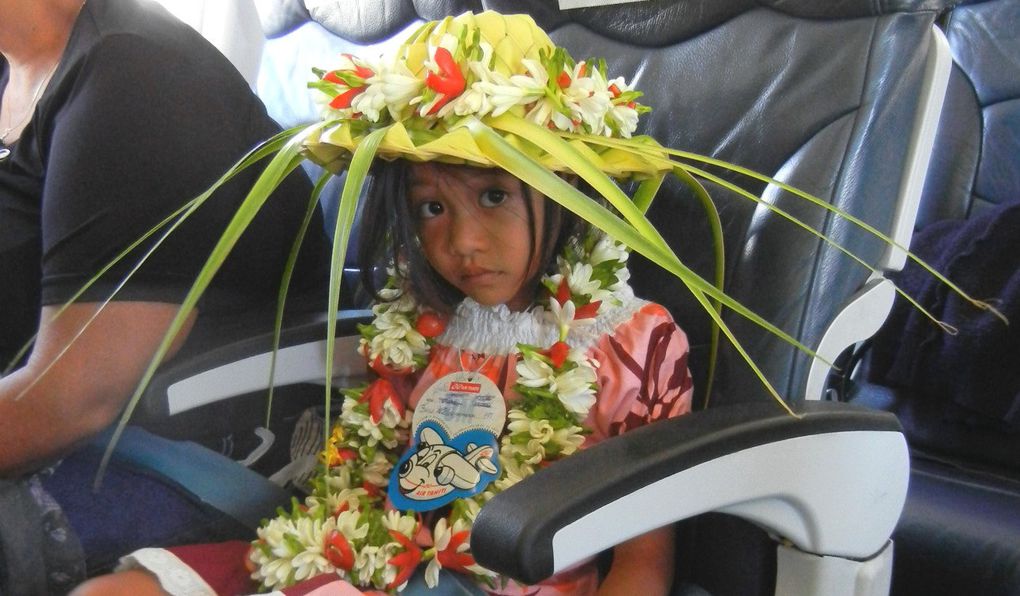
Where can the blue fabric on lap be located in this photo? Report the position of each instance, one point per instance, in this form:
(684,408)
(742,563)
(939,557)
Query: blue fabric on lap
(133,508)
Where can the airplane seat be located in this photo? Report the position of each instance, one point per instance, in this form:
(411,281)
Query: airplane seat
(743,82)
(840,100)
(958,396)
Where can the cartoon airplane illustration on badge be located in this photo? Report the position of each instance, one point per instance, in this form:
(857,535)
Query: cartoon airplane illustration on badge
(436,469)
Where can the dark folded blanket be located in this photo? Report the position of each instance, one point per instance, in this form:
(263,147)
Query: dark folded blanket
(977,371)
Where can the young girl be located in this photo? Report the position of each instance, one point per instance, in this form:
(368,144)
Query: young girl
(504,336)
(497,278)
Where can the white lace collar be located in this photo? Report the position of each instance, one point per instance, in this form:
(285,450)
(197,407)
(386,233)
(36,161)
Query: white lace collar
(497,330)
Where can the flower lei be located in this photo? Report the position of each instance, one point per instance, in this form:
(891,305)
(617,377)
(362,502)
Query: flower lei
(463,75)
(344,526)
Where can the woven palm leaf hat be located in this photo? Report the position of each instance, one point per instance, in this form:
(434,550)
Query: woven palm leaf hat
(502,72)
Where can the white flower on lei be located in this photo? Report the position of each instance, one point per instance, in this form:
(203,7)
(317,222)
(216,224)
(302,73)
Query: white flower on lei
(622,275)
(370,559)
(335,500)
(513,470)
(347,524)
(389,296)
(568,439)
(362,423)
(575,388)
(396,342)
(535,372)
(297,549)
(579,279)
(564,317)
(338,478)
(471,509)
(377,471)
(536,429)
(442,534)
(530,452)
(399,522)
(607,249)
(519,458)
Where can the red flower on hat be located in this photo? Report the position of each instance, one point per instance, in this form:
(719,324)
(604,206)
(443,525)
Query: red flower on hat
(448,83)
(346,77)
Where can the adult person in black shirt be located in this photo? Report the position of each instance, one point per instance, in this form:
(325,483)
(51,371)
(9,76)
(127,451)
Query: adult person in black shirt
(112,115)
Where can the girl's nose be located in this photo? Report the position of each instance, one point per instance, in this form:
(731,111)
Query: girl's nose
(467,235)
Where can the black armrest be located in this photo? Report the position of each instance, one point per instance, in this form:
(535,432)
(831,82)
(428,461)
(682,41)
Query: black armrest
(832,482)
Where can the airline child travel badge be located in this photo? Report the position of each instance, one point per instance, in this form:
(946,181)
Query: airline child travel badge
(454,448)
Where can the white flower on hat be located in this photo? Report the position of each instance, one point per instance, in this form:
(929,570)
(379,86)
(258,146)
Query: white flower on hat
(587,97)
(623,113)
(507,92)
(625,118)
(396,85)
(370,103)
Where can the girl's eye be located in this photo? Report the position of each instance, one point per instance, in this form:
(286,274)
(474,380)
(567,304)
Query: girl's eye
(493,198)
(430,209)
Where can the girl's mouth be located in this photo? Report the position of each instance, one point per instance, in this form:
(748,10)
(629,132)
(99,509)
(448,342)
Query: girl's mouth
(476,274)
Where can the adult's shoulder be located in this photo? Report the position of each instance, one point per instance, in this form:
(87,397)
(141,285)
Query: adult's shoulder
(141,40)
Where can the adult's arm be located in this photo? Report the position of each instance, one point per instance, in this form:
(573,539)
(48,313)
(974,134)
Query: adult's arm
(45,413)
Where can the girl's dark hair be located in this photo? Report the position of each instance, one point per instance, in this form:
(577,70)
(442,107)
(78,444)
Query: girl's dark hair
(388,232)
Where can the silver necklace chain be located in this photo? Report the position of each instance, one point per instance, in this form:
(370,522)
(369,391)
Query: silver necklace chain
(27,114)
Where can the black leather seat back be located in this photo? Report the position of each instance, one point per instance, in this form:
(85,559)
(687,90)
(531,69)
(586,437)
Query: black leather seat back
(974,166)
(822,97)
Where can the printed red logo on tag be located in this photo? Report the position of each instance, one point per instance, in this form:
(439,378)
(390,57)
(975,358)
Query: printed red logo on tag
(465,387)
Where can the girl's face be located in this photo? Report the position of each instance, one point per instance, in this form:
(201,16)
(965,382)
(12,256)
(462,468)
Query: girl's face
(474,227)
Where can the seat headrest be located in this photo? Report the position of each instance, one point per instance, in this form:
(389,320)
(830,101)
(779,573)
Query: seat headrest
(649,23)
